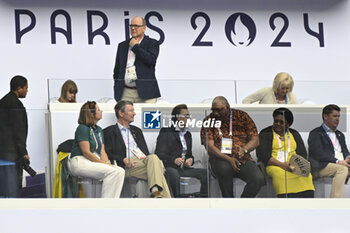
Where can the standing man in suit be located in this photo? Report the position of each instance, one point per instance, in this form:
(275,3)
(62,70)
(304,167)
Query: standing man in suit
(125,144)
(174,148)
(13,137)
(328,153)
(134,70)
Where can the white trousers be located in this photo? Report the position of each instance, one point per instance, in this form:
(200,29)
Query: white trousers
(112,176)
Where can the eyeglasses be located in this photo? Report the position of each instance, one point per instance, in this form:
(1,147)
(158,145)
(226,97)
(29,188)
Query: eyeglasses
(92,105)
(276,121)
(217,109)
(135,26)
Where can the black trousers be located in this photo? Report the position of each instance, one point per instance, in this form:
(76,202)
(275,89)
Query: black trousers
(249,173)
(304,194)
(174,174)
(9,181)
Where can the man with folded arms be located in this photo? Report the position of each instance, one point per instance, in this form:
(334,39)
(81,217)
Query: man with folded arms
(328,153)
(125,144)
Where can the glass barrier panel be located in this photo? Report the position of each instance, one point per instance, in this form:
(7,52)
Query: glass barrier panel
(196,90)
(100,90)
(322,92)
(306,92)
(286,169)
(165,90)
(151,118)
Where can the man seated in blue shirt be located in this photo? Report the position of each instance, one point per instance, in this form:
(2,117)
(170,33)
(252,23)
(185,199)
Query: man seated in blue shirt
(328,153)
(125,144)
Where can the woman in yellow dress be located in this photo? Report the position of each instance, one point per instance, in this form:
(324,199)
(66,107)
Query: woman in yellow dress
(277,144)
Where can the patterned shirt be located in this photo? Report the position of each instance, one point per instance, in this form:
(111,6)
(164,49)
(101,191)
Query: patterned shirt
(243,129)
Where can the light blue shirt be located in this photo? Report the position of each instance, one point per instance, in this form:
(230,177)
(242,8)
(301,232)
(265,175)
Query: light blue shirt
(333,137)
(128,139)
(182,138)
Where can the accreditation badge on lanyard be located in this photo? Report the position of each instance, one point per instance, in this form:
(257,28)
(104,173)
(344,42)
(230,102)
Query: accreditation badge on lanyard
(138,153)
(226,143)
(130,67)
(282,155)
(131,74)
(96,142)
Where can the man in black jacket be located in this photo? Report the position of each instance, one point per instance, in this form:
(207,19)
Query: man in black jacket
(13,137)
(125,144)
(328,153)
(174,148)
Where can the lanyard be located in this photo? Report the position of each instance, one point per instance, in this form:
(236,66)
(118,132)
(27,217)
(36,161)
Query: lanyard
(285,97)
(129,62)
(93,134)
(333,139)
(279,140)
(129,53)
(126,138)
(183,142)
(220,133)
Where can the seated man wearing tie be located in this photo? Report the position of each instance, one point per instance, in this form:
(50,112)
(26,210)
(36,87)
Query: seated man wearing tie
(328,153)
(125,144)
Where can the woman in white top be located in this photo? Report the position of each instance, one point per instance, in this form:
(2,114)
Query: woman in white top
(279,93)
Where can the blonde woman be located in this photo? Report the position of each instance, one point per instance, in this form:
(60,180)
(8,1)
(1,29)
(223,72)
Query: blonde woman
(279,93)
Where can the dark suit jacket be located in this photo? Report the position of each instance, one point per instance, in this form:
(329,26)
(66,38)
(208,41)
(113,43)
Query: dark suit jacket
(169,146)
(146,56)
(13,128)
(115,146)
(321,150)
(264,150)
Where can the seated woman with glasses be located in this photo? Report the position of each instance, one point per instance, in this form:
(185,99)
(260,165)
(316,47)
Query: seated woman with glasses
(279,93)
(277,144)
(88,157)
(174,148)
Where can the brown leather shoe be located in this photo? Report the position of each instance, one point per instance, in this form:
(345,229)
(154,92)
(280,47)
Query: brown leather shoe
(156,194)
